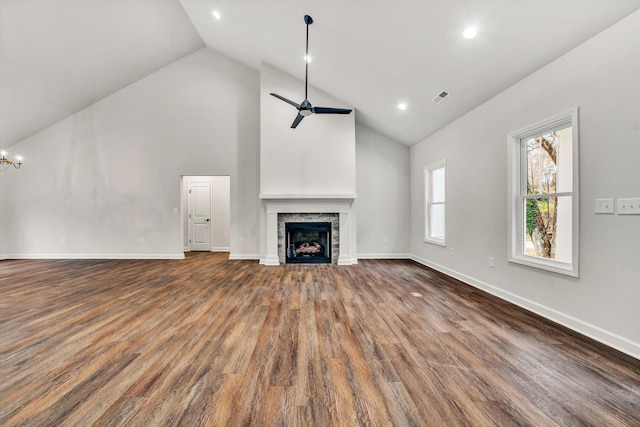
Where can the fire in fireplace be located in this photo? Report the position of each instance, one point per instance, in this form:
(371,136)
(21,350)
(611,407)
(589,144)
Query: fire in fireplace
(308,242)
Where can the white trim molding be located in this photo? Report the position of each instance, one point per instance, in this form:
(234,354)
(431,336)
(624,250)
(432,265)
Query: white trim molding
(251,257)
(385,256)
(94,256)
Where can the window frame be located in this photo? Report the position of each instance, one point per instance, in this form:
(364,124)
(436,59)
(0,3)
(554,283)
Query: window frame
(518,193)
(440,164)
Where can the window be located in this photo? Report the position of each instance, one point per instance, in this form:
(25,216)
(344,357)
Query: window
(434,177)
(544,195)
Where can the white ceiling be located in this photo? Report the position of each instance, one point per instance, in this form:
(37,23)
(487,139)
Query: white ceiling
(59,56)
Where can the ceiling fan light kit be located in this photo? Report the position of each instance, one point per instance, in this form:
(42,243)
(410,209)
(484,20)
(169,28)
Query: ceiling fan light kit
(305,108)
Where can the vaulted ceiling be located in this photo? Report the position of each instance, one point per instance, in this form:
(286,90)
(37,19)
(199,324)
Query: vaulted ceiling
(59,56)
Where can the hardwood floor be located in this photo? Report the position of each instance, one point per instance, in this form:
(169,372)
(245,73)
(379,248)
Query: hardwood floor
(208,341)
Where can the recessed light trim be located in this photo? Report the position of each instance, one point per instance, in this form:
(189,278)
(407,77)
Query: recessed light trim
(470,33)
(216,15)
(402,106)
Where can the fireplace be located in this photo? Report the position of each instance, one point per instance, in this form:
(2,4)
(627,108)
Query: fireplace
(307,229)
(333,209)
(308,242)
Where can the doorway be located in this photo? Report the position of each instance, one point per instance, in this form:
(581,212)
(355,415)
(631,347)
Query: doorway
(206,219)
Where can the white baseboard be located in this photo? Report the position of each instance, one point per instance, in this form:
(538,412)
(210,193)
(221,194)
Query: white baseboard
(385,256)
(603,336)
(94,256)
(244,256)
(214,249)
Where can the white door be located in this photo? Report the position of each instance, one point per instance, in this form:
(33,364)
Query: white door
(200,216)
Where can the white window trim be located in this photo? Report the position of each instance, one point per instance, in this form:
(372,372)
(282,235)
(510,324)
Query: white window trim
(516,214)
(427,196)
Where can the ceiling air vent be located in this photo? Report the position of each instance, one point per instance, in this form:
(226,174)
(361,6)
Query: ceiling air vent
(440,97)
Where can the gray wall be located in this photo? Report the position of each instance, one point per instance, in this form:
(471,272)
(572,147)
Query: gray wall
(382,206)
(97,182)
(2,233)
(602,78)
(316,158)
(104,182)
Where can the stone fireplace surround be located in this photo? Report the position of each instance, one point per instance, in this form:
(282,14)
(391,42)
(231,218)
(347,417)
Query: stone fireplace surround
(341,204)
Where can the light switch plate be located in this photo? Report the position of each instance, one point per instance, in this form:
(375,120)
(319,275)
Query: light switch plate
(604,206)
(628,206)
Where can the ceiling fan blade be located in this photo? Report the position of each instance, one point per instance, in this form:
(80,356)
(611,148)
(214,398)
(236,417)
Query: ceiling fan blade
(297,121)
(328,110)
(288,101)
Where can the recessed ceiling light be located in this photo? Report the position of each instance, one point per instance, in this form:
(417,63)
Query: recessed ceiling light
(402,106)
(307,58)
(470,33)
(216,14)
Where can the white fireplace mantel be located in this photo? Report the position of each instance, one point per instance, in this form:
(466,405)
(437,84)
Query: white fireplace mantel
(308,196)
(341,204)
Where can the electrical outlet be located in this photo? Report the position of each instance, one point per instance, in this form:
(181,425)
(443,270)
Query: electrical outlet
(492,262)
(628,206)
(141,240)
(385,240)
(451,251)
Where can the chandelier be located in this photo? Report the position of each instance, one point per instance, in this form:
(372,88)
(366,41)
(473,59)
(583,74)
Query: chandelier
(5,163)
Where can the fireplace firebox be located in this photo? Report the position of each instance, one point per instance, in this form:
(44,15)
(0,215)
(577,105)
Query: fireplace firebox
(308,242)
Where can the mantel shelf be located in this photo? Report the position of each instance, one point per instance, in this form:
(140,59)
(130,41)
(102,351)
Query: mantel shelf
(307,196)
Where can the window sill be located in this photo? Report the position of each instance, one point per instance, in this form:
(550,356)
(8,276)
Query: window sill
(440,242)
(546,265)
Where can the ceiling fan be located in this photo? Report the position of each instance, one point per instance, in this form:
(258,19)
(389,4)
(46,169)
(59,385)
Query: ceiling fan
(305,108)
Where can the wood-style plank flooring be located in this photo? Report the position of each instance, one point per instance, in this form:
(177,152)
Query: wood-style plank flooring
(208,341)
